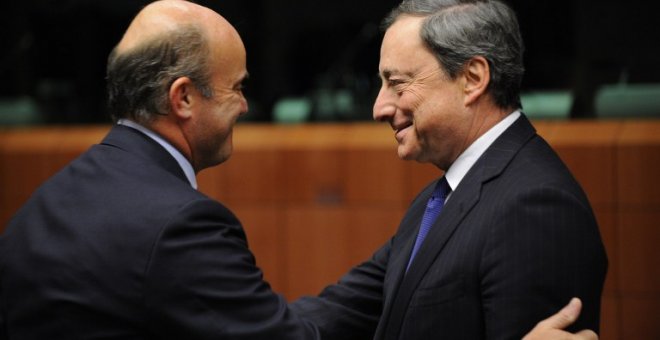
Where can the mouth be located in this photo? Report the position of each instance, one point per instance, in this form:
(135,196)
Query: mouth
(401,130)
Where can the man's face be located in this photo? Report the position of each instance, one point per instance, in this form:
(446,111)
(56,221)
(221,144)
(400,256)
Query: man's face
(217,115)
(421,103)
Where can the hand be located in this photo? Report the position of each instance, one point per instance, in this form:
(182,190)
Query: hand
(552,327)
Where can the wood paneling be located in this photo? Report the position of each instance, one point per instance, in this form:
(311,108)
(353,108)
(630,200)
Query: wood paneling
(640,315)
(373,176)
(638,163)
(318,199)
(587,148)
(264,226)
(317,248)
(610,318)
(639,262)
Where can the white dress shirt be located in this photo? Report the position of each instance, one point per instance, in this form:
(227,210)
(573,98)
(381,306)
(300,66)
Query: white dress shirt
(466,160)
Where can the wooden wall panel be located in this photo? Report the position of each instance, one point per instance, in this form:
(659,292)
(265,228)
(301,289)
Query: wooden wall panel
(254,176)
(264,226)
(74,140)
(639,261)
(610,318)
(314,176)
(638,163)
(211,182)
(370,228)
(640,315)
(324,242)
(318,199)
(373,176)
(28,159)
(317,248)
(587,148)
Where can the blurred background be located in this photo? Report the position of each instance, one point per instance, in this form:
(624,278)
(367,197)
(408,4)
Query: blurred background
(316,61)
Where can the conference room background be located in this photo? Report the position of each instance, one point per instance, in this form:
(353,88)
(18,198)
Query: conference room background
(315,199)
(314,60)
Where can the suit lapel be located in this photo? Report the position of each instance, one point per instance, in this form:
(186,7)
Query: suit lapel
(399,257)
(462,200)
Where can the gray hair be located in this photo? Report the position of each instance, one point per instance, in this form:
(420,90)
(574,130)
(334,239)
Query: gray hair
(458,30)
(138,80)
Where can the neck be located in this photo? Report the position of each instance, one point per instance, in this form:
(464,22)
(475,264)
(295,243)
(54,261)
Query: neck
(172,132)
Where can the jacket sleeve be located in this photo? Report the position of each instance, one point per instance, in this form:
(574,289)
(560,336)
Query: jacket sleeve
(202,282)
(351,308)
(544,248)
(3,331)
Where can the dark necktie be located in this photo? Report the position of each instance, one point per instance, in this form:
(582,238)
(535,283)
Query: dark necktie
(433,209)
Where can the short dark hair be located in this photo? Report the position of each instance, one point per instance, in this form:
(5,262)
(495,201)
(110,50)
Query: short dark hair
(458,30)
(138,80)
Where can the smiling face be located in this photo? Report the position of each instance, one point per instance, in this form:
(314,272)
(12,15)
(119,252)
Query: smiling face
(423,105)
(216,116)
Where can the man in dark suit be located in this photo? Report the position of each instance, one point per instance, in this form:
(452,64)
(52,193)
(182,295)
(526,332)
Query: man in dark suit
(119,244)
(514,236)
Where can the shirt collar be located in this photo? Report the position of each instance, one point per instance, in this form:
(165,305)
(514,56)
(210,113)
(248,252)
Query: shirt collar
(466,160)
(183,161)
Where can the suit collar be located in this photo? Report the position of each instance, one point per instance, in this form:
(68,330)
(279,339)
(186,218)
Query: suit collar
(183,162)
(469,157)
(466,195)
(463,199)
(140,145)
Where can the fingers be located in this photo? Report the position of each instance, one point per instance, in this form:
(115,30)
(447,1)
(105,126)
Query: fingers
(565,316)
(553,327)
(586,335)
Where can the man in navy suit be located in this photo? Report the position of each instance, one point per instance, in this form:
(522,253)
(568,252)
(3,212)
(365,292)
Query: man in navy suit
(515,237)
(119,244)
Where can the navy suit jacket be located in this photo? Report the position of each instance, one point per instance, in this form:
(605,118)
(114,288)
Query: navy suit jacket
(515,241)
(118,245)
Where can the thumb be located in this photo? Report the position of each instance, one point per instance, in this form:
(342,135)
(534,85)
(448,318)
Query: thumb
(565,316)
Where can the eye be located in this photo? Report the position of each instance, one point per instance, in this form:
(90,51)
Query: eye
(394,82)
(241,85)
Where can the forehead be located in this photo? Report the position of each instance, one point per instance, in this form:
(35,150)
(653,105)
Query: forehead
(228,56)
(403,50)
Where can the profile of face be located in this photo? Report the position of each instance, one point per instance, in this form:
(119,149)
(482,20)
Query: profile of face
(214,118)
(425,108)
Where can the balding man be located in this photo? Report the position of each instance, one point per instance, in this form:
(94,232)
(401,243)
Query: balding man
(119,244)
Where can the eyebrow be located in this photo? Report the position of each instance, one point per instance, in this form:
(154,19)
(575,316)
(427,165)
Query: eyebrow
(242,79)
(387,73)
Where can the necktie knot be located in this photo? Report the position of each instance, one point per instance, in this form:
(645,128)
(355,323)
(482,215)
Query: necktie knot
(441,191)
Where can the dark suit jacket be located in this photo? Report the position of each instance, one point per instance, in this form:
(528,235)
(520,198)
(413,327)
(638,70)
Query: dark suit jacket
(117,245)
(515,241)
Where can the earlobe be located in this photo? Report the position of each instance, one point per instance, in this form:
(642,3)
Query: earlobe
(477,78)
(181,97)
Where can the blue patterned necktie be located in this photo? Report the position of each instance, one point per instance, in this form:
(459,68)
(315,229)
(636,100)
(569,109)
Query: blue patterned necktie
(433,209)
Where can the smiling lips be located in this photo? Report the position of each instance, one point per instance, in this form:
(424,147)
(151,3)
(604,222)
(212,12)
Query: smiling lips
(401,130)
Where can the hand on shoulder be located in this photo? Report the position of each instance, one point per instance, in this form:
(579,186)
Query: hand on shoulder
(553,327)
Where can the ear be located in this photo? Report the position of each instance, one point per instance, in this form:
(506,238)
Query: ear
(477,78)
(182,98)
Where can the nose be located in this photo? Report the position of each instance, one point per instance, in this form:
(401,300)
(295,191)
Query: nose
(384,107)
(244,105)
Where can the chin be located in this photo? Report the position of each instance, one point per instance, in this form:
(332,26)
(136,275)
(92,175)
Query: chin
(407,153)
(406,156)
(222,158)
